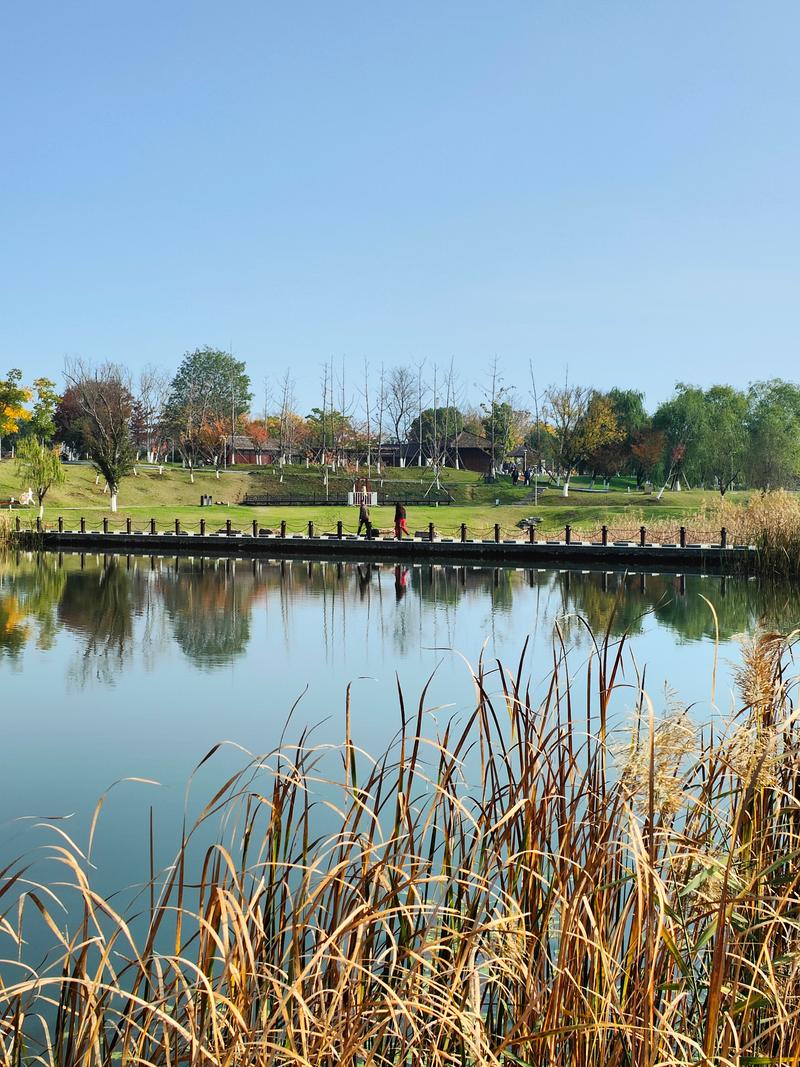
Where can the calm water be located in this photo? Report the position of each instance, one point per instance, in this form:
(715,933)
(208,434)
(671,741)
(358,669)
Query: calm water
(119,667)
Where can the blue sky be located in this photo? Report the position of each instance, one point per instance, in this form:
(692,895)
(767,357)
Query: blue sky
(610,187)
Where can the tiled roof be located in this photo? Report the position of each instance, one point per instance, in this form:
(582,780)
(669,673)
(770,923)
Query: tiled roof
(470,440)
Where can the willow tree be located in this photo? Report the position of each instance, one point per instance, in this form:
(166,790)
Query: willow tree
(105,397)
(39,467)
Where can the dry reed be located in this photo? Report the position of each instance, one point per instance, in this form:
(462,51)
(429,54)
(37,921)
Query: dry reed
(769,521)
(505,894)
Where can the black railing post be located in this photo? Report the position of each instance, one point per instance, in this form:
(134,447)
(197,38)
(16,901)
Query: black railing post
(60,524)
(431,531)
(128,525)
(310,528)
(532,533)
(642,536)
(497,532)
(567,534)
(255,527)
(463,532)
(105,525)
(283,527)
(152,527)
(723,538)
(228,527)
(683,537)
(604,535)
(202,527)
(83,524)
(369,529)
(38,524)
(339,529)
(18,524)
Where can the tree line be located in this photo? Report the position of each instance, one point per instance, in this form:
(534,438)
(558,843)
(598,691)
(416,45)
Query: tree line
(718,437)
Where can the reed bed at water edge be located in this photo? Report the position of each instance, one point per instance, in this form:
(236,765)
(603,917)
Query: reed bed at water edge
(6,527)
(519,889)
(769,521)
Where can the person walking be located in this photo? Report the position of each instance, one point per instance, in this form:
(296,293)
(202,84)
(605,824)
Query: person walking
(363,519)
(400,526)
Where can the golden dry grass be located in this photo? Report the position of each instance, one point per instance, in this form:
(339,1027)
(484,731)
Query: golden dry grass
(513,892)
(770,521)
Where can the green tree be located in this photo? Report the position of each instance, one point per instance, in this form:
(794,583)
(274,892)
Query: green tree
(434,426)
(210,389)
(327,428)
(500,427)
(42,423)
(773,456)
(221,379)
(682,421)
(722,445)
(39,467)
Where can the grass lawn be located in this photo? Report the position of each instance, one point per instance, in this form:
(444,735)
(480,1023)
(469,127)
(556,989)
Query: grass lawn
(171,495)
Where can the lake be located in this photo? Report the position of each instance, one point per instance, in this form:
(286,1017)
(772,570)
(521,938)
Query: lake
(120,667)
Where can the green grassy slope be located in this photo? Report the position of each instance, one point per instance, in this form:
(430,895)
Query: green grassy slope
(172,495)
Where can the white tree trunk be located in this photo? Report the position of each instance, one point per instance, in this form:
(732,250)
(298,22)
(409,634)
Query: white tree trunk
(191,476)
(41,509)
(565,490)
(114,501)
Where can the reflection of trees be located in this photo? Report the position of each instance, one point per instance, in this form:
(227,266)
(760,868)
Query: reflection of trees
(99,605)
(129,605)
(620,603)
(210,610)
(29,593)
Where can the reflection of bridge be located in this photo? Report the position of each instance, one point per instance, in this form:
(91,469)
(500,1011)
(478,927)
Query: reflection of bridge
(673,558)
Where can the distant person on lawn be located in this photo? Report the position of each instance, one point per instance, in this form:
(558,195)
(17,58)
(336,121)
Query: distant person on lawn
(400,526)
(363,519)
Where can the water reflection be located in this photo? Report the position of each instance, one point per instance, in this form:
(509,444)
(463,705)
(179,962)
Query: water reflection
(121,608)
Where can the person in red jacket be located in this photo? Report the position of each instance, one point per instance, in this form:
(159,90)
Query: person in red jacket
(400,526)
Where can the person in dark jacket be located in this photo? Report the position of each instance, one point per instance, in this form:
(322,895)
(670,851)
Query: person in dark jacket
(400,526)
(363,519)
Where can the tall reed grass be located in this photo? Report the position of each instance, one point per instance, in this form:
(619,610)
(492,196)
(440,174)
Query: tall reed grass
(769,521)
(517,891)
(6,527)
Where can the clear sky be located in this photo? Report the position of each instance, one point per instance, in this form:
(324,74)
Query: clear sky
(608,186)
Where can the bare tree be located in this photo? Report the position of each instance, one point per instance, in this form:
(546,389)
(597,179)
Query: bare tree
(493,394)
(288,403)
(341,420)
(381,411)
(367,414)
(106,399)
(151,397)
(420,390)
(400,393)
